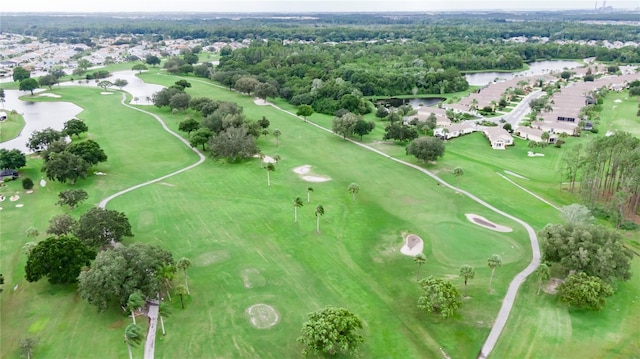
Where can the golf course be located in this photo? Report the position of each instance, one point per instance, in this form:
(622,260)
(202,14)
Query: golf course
(258,269)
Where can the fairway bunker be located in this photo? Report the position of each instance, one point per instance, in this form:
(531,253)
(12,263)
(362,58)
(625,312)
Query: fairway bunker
(304,173)
(262,316)
(413,245)
(481,221)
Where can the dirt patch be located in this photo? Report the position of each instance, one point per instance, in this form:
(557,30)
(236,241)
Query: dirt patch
(116,325)
(262,316)
(481,221)
(413,245)
(551,286)
(209,258)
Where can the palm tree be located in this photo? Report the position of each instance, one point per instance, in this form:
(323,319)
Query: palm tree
(493,262)
(309,190)
(181,292)
(28,247)
(163,311)
(543,274)
(420,259)
(353,189)
(135,302)
(319,213)
(297,202)
(467,272)
(269,167)
(265,132)
(183,264)
(167,274)
(458,172)
(132,336)
(474,105)
(277,133)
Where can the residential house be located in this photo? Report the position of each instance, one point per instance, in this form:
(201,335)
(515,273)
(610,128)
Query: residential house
(533,134)
(498,137)
(557,127)
(455,130)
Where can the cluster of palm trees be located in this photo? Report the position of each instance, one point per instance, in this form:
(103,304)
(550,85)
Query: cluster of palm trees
(133,334)
(297,203)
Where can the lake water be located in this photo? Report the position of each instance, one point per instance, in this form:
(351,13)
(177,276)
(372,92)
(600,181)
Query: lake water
(416,103)
(38,116)
(535,68)
(136,87)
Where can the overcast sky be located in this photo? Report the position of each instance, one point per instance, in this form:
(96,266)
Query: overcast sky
(298,5)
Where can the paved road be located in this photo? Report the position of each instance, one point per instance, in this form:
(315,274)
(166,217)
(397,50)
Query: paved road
(522,108)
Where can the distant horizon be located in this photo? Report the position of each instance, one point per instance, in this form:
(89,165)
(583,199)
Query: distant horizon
(305,6)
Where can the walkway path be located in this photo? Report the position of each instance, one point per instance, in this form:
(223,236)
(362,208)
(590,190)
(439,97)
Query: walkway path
(150,343)
(104,202)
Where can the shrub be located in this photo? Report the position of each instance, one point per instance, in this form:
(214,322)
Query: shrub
(594,130)
(629,226)
(27,183)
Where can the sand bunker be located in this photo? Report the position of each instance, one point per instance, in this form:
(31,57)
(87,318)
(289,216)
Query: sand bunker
(413,245)
(19,205)
(532,154)
(2,198)
(515,174)
(260,102)
(43,183)
(304,173)
(49,95)
(106,93)
(481,221)
(269,159)
(617,100)
(14,198)
(262,316)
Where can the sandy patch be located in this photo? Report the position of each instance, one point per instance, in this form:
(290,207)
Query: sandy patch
(316,178)
(481,221)
(532,154)
(515,174)
(260,102)
(262,316)
(551,286)
(413,245)
(209,258)
(98,173)
(617,100)
(106,93)
(305,174)
(0,208)
(302,170)
(29,191)
(20,205)
(49,95)
(252,278)
(14,198)
(2,198)
(43,183)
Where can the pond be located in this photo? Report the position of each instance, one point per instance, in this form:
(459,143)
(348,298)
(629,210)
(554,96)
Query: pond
(416,103)
(136,87)
(37,116)
(535,68)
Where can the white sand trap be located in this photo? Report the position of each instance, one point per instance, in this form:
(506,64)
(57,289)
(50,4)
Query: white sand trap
(413,245)
(0,208)
(43,183)
(252,278)
(481,221)
(260,102)
(97,173)
(302,170)
(617,100)
(49,95)
(14,198)
(2,198)
(20,205)
(209,258)
(515,174)
(106,93)
(532,154)
(262,316)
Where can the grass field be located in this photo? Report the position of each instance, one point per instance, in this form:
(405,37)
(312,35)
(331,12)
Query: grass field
(619,113)
(11,127)
(247,250)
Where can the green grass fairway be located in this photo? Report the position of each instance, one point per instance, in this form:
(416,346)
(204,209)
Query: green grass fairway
(11,127)
(247,250)
(620,114)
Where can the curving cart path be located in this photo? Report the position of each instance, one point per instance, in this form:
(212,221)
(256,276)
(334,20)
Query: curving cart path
(509,299)
(104,202)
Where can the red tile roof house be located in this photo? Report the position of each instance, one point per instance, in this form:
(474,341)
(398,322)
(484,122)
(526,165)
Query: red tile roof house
(498,137)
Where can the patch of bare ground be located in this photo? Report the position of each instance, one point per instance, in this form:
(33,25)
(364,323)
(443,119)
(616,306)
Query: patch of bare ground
(551,286)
